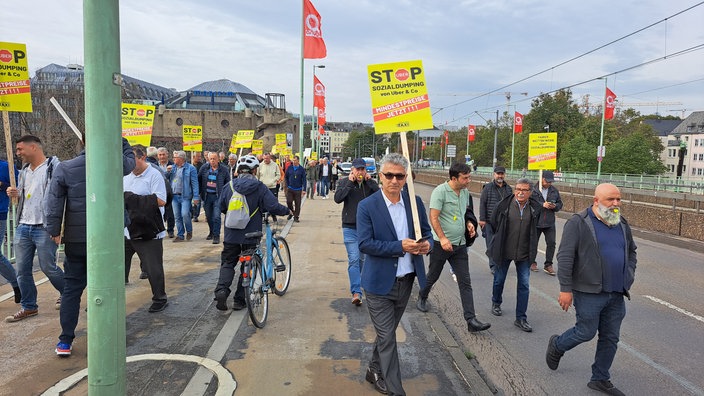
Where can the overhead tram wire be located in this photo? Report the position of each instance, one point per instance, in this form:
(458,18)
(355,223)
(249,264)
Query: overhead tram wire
(662,58)
(579,56)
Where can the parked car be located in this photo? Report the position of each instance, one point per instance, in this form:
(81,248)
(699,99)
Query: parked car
(346,167)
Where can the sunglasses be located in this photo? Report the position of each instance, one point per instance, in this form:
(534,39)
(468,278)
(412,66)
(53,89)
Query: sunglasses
(398,176)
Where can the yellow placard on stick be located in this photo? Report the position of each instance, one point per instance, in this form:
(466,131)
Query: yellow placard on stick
(137,123)
(15,93)
(399,97)
(244,138)
(192,138)
(280,138)
(542,151)
(257,147)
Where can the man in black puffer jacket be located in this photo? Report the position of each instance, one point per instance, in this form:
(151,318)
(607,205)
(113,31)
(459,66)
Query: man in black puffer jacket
(67,201)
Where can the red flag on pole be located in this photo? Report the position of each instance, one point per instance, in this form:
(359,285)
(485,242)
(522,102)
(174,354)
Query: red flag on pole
(609,104)
(313,43)
(447,137)
(518,123)
(471,131)
(321,115)
(318,93)
(423,146)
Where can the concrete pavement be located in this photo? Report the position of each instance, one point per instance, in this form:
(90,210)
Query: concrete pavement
(315,341)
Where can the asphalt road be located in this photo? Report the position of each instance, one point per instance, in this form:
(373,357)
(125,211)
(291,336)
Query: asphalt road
(662,336)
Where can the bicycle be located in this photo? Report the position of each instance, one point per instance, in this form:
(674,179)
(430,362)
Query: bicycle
(265,269)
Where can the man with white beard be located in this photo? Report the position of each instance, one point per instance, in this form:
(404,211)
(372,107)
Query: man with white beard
(596,268)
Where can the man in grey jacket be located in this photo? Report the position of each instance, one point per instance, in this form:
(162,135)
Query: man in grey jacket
(492,194)
(596,268)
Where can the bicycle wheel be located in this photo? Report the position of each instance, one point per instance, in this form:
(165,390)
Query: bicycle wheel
(256,296)
(282,265)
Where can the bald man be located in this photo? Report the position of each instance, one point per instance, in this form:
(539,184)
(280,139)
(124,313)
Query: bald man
(596,268)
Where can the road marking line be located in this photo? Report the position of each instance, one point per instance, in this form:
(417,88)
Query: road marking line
(676,308)
(226,382)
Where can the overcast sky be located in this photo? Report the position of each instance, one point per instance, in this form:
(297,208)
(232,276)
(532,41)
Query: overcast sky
(468,48)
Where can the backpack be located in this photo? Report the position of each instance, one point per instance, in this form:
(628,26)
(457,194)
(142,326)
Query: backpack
(237,215)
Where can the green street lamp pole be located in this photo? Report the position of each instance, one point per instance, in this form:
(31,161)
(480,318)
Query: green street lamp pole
(104,200)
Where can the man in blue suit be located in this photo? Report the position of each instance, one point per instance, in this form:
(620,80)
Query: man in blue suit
(394,258)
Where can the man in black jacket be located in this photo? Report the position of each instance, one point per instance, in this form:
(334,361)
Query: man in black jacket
(492,193)
(549,199)
(596,269)
(350,191)
(66,201)
(212,177)
(514,222)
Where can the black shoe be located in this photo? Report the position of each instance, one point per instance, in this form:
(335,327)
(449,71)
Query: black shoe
(296,220)
(553,356)
(377,381)
(209,237)
(289,217)
(523,325)
(421,304)
(158,306)
(143,275)
(216,240)
(171,235)
(496,309)
(221,298)
(239,305)
(18,295)
(605,387)
(474,325)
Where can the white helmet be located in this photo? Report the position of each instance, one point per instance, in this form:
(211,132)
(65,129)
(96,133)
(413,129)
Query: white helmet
(247,161)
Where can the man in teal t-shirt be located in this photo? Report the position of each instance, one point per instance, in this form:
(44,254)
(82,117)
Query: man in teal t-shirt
(449,204)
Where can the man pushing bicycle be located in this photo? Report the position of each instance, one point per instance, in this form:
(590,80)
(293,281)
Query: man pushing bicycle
(259,200)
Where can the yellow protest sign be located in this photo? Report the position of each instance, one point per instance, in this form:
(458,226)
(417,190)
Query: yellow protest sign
(257,147)
(542,151)
(192,138)
(314,155)
(15,93)
(137,123)
(280,138)
(399,97)
(244,139)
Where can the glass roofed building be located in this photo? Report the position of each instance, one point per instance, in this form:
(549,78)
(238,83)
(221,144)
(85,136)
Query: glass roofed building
(220,94)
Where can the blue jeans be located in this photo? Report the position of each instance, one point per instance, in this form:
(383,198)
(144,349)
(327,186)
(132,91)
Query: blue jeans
(28,239)
(76,278)
(6,269)
(602,312)
(182,215)
(355,260)
(212,213)
(323,186)
(522,285)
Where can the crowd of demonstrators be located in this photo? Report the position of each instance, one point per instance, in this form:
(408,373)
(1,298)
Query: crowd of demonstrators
(66,221)
(212,178)
(394,259)
(30,234)
(514,222)
(6,269)
(259,200)
(295,180)
(350,192)
(491,194)
(184,184)
(312,175)
(549,198)
(454,228)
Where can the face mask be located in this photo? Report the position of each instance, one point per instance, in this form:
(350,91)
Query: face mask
(611,216)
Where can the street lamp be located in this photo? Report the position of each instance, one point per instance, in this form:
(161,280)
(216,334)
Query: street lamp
(314,128)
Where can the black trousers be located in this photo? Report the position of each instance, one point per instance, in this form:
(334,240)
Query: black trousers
(549,245)
(293,201)
(151,254)
(228,261)
(459,261)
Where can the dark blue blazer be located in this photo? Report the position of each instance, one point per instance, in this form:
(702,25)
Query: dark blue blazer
(377,239)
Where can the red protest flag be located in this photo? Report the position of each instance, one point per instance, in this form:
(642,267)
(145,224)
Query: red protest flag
(471,131)
(423,146)
(518,123)
(321,115)
(609,104)
(313,43)
(318,93)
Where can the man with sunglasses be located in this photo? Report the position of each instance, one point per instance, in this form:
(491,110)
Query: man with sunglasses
(514,222)
(351,191)
(450,203)
(394,259)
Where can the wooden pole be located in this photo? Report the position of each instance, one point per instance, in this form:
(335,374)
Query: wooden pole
(9,146)
(411,188)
